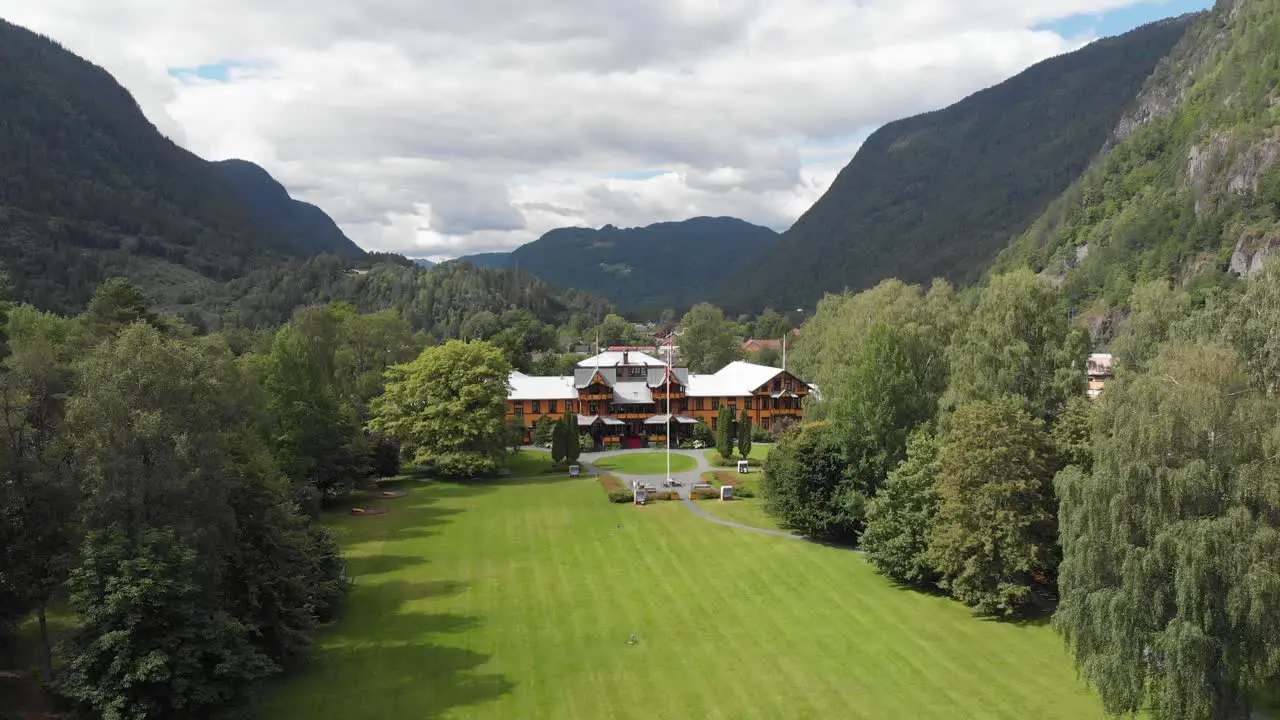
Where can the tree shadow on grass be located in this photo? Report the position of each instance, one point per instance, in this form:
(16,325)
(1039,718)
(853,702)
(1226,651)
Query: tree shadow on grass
(411,680)
(362,566)
(381,660)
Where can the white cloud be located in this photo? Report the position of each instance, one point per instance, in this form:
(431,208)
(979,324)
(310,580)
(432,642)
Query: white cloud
(434,127)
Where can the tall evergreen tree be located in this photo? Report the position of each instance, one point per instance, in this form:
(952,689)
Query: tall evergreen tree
(724,432)
(559,441)
(1170,577)
(572,440)
(744,434)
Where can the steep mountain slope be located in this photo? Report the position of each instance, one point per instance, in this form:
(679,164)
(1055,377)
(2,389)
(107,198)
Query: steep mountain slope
(305,227)
(1190,189)
(940,194)
(423,263)
(89,188)
(670,264)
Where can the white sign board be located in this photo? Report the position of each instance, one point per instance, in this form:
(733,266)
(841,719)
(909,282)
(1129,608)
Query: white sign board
(743,466)
(726,492)
(641,494)
(574,470)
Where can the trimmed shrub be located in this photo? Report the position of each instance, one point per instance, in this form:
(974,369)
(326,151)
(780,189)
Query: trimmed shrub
(759,434)
(620,497)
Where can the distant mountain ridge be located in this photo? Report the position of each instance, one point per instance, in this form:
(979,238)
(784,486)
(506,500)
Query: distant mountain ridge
(305,227)
(940,194)
(89,188)
(668,264)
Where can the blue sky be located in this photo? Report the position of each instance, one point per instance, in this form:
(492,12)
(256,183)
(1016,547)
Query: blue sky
(220,72)
(1124,19)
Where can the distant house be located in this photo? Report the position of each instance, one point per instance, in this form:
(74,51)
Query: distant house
(1100,367)
(754,345)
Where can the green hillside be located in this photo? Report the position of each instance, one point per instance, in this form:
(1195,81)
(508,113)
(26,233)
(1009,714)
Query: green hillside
(940,194)
(89,188)
(1191,189)
(670,264)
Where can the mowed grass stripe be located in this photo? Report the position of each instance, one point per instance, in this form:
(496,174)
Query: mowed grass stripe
(515,599)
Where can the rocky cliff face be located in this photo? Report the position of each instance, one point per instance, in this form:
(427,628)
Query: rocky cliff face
(1188,189)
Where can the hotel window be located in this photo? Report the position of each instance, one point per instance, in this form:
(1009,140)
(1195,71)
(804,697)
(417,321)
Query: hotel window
(551,406)
(748,404)
(697,403)
(715,403)
(537,407)
(714,421)
(519,409)
(595,408)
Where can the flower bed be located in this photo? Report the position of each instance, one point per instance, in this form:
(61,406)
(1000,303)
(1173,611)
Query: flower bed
(368,511)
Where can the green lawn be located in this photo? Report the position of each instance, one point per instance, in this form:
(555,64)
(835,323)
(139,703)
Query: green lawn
(748,511)
(526,463)
(515,599)
(758,452)
(646,463)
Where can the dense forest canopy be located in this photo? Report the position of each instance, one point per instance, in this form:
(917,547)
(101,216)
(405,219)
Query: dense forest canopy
(668,264)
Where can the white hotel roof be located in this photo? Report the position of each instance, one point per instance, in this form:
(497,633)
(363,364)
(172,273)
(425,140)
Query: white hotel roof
(733,380)
(534,387)
(737,379)
(613,358)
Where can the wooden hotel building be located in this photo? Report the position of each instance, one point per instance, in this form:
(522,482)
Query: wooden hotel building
(620,397)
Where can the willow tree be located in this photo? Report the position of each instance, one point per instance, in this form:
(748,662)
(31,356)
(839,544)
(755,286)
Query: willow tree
(1170,579)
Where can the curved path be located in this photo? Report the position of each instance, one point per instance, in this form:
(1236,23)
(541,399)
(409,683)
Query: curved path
(686,480)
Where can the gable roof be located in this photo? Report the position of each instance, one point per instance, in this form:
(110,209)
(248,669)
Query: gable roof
(534,387)
(582,376)
(735,379)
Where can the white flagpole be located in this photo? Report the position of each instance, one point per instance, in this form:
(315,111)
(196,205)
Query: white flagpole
(668,420)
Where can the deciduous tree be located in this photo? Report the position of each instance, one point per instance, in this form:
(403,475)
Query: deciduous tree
(901,515)
(1170,576)
(1018,342)
(804,484)
(707,342)
(447,407)
(994,541)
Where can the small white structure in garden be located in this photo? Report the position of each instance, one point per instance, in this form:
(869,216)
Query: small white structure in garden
(726,492)
(743,466)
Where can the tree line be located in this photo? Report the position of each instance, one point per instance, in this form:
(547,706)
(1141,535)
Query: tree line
(161,488)
(954,443)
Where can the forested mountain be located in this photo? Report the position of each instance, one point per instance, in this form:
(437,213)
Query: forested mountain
(423,263)
(488,260)
(1191,189)
(437,301)
(940,194)
(89,188)
(307,229)
(670,264)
